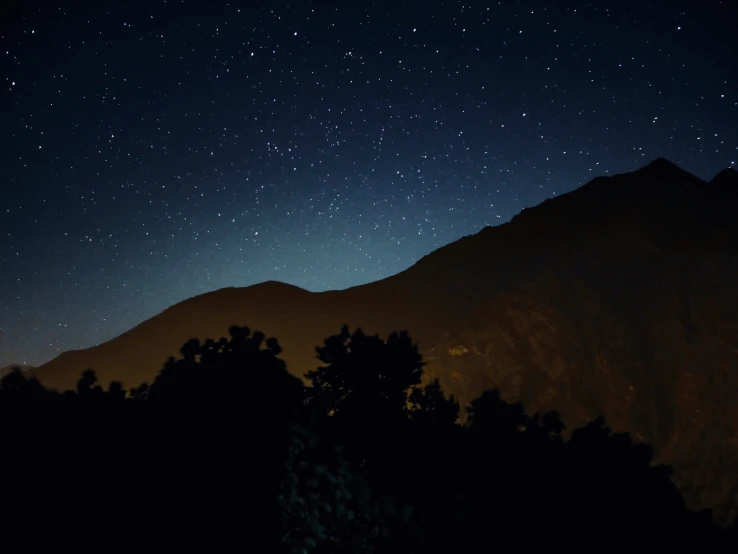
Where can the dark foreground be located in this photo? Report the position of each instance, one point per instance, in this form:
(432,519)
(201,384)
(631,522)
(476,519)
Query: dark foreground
(226,450)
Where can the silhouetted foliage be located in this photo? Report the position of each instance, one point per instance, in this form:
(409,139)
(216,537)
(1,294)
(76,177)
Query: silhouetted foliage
(17,387)
(226,449)
(431,407)
(365,375)
(326,506)
(246,361)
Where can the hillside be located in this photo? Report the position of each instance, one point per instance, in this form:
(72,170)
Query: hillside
(617,299)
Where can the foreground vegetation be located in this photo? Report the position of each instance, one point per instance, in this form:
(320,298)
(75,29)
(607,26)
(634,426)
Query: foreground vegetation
(227,450)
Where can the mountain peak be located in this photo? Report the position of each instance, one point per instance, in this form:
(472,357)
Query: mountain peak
(278,285)
(668,173)
(727,175)
(661,165)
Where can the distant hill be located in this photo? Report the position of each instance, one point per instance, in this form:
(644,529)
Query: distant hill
(618,298)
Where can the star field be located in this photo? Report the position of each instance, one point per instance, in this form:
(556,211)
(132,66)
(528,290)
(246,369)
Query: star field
(153,151)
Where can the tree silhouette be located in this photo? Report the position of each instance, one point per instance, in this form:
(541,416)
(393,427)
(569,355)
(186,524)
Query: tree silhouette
(491,416)
(431,407)
(243,373)
(16,386)
(365,375)
(227,448)
(609,465)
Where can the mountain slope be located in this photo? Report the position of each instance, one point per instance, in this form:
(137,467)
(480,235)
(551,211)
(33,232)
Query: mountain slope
(614,299)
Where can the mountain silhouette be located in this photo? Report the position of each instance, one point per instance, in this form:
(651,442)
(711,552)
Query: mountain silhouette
(615,299)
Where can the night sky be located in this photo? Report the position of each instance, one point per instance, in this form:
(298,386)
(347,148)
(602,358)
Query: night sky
(153,151)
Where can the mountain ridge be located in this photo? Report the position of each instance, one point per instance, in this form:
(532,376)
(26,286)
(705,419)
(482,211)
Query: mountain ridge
(614,299)
(660,164)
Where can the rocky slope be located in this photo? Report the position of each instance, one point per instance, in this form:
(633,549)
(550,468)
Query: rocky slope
(618,298)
